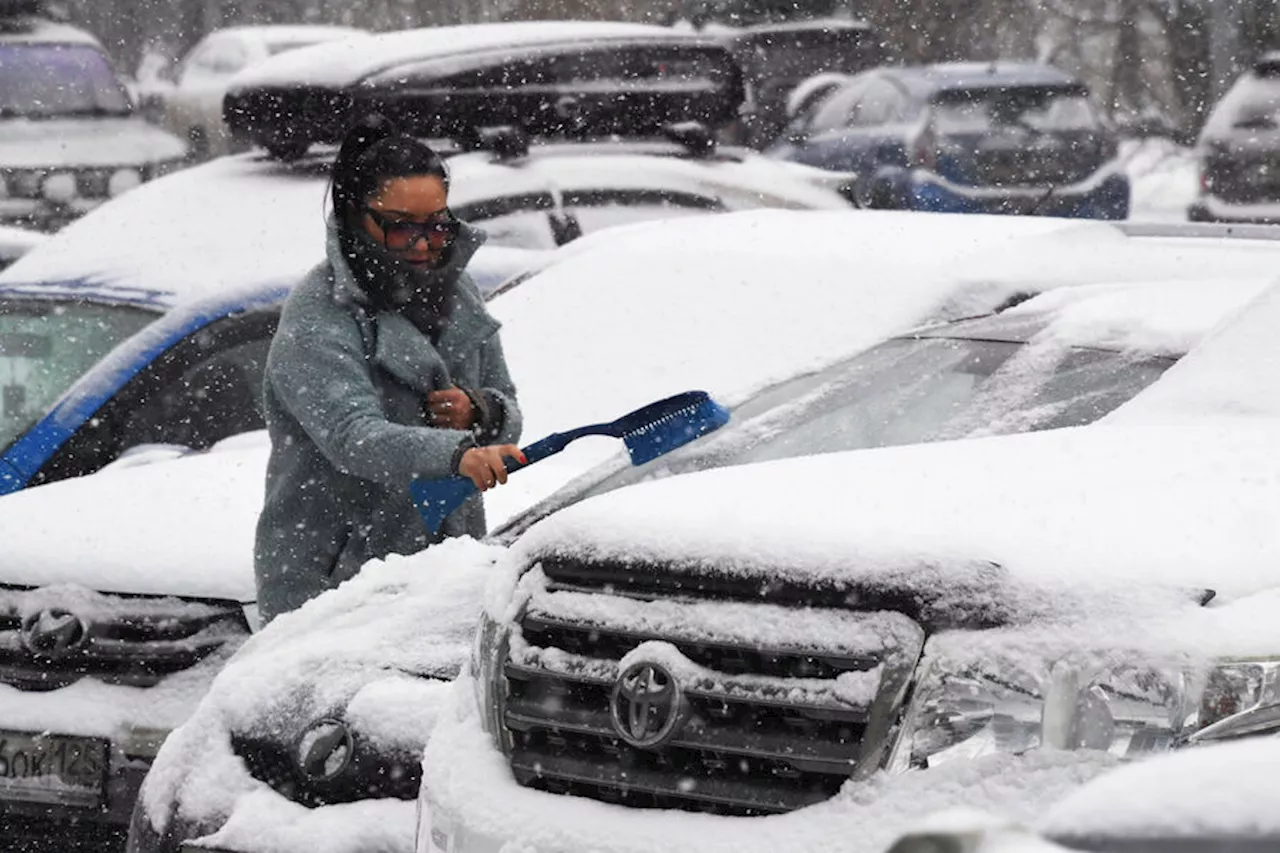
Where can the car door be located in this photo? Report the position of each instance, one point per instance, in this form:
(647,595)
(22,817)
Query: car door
(873,135)
(203,389)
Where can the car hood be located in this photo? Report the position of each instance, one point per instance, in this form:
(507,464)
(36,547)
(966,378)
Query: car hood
(85,142)
(147,525)
(1188,507)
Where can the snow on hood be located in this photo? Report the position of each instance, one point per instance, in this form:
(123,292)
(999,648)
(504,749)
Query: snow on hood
(346,62)
(180,527)
(1110,507)
(85,143)
(1209,793)
(373,652)
(1235,371)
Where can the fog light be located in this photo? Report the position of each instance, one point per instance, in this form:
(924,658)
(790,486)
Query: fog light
(59,187)
(324,750)
(123,181)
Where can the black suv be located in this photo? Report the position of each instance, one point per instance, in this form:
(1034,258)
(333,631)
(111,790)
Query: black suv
(1239,151)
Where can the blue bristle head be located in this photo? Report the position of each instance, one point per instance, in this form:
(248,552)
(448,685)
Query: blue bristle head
(675,430)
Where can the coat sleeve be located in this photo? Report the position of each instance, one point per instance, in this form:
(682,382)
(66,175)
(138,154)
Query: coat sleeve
(495,382)
(318,370)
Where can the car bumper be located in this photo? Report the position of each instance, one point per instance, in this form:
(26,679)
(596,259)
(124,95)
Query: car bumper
(1213,209)
(470,803)
(1105,195)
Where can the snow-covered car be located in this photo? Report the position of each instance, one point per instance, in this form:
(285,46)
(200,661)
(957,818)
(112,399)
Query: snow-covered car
(1212,799)
(575,79)
(1048,384)
(781,639)
(1239,148)
(69,137)
(191,106)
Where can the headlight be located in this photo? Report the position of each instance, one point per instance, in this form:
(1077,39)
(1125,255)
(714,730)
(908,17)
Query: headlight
(986,707)
(123,180)
(324,750)
(487,679)
(59,187)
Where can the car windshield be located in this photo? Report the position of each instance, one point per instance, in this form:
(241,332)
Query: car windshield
(904,391)
(56,80)
(45,346)
(974,111)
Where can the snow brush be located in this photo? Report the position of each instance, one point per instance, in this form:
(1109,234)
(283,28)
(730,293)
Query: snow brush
(648,432)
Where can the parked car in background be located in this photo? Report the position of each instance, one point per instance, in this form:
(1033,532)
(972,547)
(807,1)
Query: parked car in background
(191,105)
(775,57)
(967,138)
(69,137)
(548,78)
(1239,151)
(240,720)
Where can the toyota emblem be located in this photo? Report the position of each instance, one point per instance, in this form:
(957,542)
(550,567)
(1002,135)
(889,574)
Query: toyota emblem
(647,705)
(54,633)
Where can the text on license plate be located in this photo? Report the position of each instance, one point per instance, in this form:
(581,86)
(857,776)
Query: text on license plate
(53,769)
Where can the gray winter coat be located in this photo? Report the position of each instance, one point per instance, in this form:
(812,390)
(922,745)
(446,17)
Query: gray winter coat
(345,397)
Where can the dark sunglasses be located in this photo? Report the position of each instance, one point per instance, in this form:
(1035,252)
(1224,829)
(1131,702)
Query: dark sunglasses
(400,234)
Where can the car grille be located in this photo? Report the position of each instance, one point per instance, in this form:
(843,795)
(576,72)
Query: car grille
(773,720)
(54,636)
(1242,178)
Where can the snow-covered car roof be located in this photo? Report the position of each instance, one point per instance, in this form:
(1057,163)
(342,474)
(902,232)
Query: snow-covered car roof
(568,331)
(285,34)
(1123,507)
(250,220)
(346,62)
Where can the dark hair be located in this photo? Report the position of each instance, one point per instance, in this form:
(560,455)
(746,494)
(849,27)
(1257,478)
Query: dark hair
(372,151)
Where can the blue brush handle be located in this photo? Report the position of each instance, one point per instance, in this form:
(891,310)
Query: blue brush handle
(436,500)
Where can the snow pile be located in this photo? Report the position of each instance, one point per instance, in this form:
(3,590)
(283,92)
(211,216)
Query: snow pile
(1234,372)
(1119,509)
(1164,179)
(469,783)
(1215,792)
(376,652)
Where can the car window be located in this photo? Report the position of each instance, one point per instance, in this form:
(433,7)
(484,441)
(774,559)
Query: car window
(905,391)
(881,103)
(45,346)
(216,57)
(1036,108)
(519,221)
(57,80)
(201,390)
(599,209)
(840,109)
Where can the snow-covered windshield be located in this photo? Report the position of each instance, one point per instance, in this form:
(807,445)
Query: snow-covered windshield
(1252,104)
(58,80)
(915,390)
(1043,109)
(47,345)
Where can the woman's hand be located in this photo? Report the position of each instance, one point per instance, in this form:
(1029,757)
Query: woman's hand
(485,467)
(451,409)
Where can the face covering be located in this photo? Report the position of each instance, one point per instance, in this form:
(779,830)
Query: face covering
(421,294)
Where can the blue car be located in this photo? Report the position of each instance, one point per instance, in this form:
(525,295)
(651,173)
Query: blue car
(966,138)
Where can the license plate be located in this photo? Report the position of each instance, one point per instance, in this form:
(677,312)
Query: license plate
(52,769)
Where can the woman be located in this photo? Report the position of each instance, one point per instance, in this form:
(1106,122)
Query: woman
(386,368)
